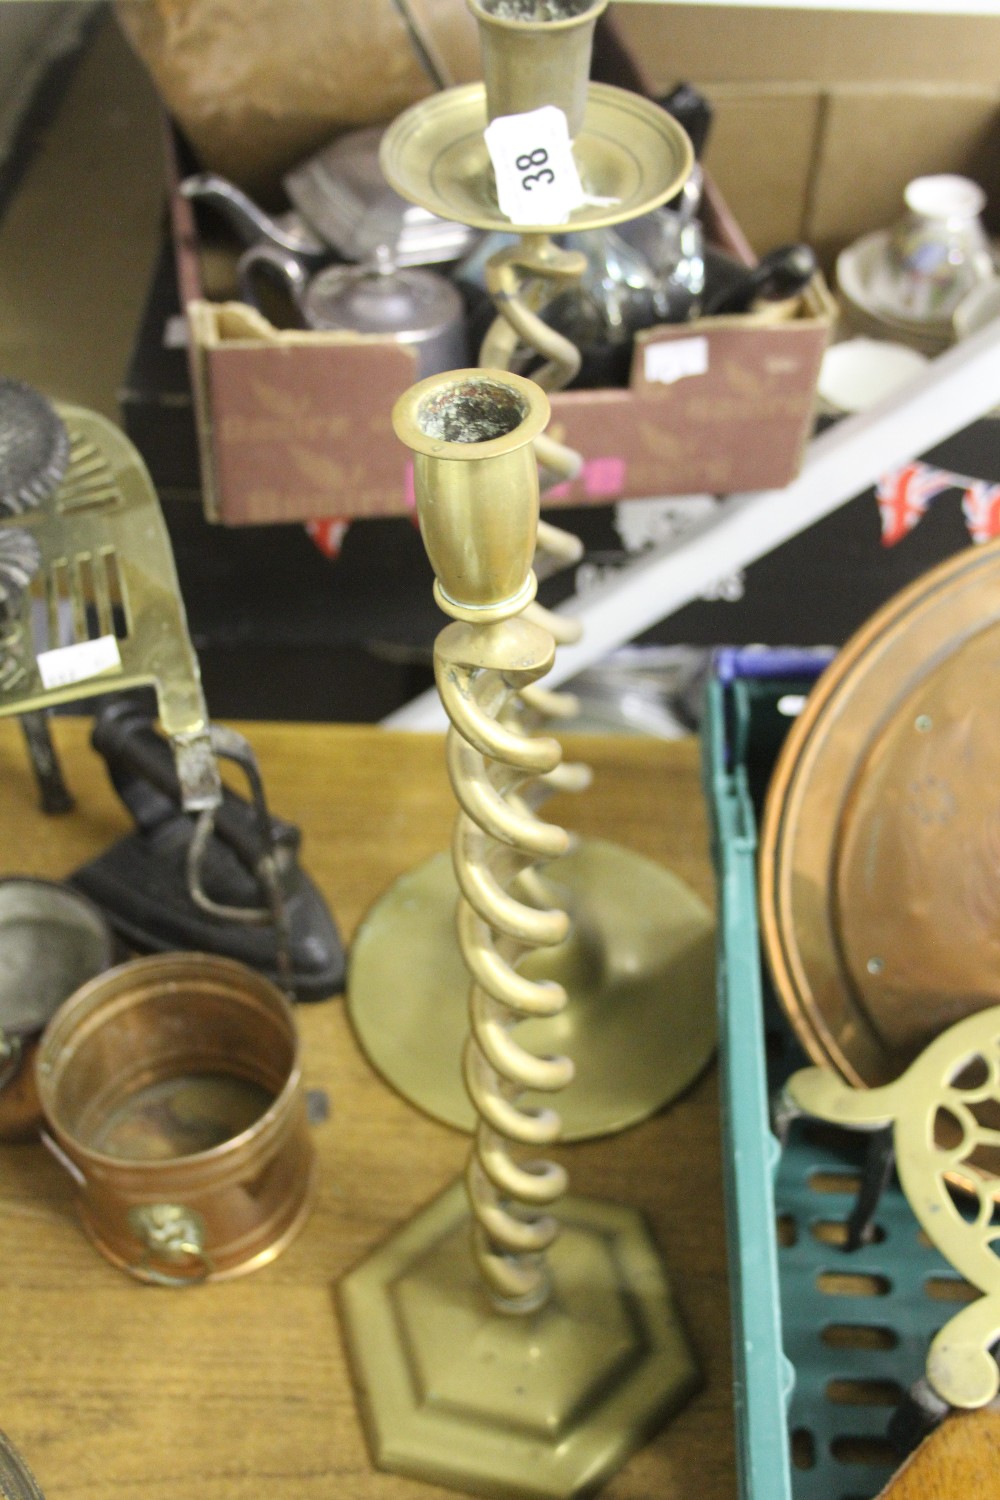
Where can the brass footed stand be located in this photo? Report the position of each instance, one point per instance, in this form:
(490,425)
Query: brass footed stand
(639,963)
(518,1360)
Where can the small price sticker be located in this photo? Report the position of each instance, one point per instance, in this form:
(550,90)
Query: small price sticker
(537,179)
(67,665)
(674,360)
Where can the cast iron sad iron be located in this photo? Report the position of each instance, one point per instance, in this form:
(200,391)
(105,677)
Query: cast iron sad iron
(227,881)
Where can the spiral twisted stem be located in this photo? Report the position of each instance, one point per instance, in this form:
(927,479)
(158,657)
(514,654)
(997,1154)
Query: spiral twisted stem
(498,841)
(522,279)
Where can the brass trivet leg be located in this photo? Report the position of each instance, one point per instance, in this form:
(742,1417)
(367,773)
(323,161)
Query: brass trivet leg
(944,1111)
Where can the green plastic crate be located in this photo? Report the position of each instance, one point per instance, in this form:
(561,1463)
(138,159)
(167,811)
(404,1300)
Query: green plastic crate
(825,1342)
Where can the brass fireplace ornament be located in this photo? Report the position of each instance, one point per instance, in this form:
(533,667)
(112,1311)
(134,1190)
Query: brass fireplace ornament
(102,610)
(640,949)
(945,1113)
(510,1340)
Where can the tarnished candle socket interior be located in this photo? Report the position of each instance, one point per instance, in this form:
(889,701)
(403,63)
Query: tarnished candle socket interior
(172,1092)
(474,410)
(52,940)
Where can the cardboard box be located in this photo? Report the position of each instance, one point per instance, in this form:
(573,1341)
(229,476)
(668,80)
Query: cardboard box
(295,425)
(821,118)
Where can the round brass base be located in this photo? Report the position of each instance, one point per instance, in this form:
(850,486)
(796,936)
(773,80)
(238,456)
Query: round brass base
(640,1022)
(540,1407)
(632,156)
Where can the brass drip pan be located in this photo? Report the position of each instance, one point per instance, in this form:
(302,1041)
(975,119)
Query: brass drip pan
(639,970)
(629,152)
(880,844)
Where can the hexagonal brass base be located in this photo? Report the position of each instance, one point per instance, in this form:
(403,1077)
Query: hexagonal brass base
(638,969)
(544,1406)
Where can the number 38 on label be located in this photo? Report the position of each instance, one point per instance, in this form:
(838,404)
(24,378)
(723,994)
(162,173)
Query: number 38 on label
(536,176)
(534,159)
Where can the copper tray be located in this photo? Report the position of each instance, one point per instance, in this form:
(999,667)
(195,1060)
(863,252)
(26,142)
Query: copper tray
(880,843)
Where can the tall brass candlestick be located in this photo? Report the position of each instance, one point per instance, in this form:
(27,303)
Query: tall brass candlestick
(520,1361)
(480,662)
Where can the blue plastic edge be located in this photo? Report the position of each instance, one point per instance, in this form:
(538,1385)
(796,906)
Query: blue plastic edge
(761,1373)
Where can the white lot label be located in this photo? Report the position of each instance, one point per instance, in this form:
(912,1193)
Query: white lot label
(537,180)
(69,664)
(669,362)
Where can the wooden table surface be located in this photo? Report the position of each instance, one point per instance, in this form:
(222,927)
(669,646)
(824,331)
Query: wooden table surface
(117,1391)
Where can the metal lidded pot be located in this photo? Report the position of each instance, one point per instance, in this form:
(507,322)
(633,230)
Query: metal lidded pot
(172,1093)
(52,940)
(418,308)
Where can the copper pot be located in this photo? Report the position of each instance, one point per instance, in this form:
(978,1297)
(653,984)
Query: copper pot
(172,1091)
(52,940)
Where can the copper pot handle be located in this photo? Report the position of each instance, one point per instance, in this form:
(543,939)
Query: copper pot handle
(172,1233)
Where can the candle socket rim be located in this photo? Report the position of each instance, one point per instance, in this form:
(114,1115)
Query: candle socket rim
(406,416)
(540,26)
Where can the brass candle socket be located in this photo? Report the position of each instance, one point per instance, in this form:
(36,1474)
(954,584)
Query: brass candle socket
(471,444)
(550,1401)
(537,52)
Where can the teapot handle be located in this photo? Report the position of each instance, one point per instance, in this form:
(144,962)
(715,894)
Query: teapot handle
(288,266)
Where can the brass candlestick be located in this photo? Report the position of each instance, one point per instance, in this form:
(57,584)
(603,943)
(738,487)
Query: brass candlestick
(529,1361)
(639,962)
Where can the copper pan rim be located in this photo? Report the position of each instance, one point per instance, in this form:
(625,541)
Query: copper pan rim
(138,981)
(787,800)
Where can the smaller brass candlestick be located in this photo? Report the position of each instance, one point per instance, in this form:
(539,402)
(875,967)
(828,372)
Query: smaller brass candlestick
(527,1358)
(639,962)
